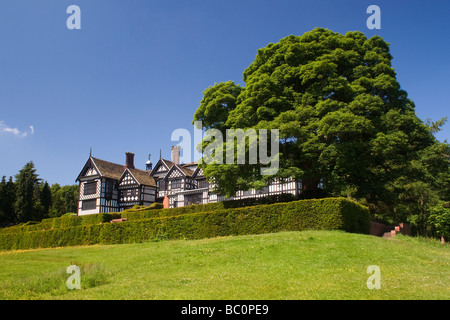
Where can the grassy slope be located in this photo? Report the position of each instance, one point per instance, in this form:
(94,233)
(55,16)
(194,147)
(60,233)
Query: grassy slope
(285,265)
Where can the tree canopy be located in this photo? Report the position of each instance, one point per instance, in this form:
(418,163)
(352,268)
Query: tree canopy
(346,126)
(29,198)
(27,205)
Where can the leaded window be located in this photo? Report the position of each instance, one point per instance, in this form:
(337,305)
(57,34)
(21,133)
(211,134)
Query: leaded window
(89,204)
(175,184)
(90,188)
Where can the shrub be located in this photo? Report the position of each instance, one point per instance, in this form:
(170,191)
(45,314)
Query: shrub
(142,212)
(327,213)
(156,205)
(61,222)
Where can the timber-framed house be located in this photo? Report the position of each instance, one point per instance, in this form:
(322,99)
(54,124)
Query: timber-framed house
(111,187)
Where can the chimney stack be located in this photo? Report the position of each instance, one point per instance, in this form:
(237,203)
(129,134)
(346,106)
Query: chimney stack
(176,154)
(129,160)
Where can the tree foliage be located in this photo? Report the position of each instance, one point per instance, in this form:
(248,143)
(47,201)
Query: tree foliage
(346,126)
(27,205)
(28,198)
(7,199)
(440,219)
(64,199)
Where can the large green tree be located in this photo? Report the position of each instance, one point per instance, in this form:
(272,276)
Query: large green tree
(346,126)
(64,199)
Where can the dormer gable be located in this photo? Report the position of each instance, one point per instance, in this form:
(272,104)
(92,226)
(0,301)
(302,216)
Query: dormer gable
(198,173)
(128,180)
(178,171)
(136,177)
(89,170)
(161,167)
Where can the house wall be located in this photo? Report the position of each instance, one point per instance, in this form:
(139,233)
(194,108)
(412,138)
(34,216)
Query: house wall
(89,197)
(109,196)
(108,193)
(148,195)
(106,196)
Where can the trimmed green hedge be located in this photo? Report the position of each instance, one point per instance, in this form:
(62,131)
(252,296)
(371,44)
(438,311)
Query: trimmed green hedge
(328,214)
(61,222)
(146,212)
(141,212)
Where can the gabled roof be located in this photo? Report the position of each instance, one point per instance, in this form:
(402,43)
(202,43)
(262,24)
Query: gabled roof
(116,171)
(104,168)
(187,169)
(184,171)
(194,170)
(142,177)
(162,162)
(108,169)
(198,173)
(190,164)
(168,163)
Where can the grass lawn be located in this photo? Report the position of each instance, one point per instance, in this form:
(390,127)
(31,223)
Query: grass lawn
(285,265)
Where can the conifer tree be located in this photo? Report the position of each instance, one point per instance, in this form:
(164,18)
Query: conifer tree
(7,199)
(26,198)
(46,198)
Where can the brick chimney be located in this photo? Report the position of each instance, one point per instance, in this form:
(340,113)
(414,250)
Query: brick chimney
(129,160)
(176,154)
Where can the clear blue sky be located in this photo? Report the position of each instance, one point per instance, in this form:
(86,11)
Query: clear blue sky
(137,68)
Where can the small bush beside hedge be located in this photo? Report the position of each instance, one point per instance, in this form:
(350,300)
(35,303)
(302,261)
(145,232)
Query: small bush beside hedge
(325,214)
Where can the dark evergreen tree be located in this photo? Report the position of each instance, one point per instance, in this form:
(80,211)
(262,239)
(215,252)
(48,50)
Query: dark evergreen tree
(2,201)
(7,199)
(9,196)
(26,198)
(46,198)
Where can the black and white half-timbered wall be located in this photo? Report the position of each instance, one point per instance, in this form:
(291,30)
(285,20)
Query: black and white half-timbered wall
(136,187)
(111,187)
